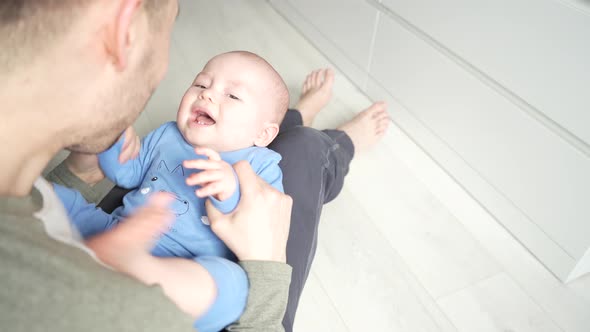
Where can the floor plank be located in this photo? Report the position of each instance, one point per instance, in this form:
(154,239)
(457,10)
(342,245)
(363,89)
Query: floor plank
(316,311)
(496,304)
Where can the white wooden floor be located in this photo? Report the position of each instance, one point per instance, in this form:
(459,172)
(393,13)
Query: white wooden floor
(403,248)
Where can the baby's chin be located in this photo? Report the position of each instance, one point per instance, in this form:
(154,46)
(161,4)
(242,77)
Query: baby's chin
(212,143)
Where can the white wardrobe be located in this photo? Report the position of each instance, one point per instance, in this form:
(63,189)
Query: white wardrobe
(496,92)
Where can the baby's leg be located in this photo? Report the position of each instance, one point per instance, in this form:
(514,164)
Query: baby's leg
(86,217)
(232,293)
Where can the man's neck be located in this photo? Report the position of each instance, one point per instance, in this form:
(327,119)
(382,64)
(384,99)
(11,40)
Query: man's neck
(17,178)
(23,161)
(28,138)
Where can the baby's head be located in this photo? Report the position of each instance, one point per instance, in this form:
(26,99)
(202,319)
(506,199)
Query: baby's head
(238,100)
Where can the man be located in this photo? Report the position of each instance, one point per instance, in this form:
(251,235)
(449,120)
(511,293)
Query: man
(75,74)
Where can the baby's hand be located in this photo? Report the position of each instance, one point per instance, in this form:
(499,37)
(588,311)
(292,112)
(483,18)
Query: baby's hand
(216,178)
(131,146)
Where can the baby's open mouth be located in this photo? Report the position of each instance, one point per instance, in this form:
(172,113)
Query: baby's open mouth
(203,119)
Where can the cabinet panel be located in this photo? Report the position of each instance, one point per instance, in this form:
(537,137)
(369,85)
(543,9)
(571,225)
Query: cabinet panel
(536,49)
(540,174)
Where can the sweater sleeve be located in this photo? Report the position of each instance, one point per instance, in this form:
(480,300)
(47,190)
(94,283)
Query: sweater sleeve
(267,298)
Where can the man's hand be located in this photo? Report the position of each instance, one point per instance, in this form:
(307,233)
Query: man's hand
(217,177)
(258,229)
(131,146)
(126,248)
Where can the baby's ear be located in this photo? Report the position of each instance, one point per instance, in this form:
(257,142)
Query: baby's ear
(267,134)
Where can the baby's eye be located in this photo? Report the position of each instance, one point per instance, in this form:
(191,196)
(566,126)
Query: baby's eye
(200,86)
(233,97)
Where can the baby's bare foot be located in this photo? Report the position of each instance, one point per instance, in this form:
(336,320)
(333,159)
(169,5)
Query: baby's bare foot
(315,94)
(367,127)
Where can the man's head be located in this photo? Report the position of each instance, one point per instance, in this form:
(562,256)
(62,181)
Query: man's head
(238,100)
(29,28)
(91,64)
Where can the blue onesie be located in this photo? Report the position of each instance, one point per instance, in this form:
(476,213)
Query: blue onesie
(159,168)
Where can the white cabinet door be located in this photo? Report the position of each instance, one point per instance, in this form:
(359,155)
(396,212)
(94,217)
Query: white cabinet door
(341,29)
(538,50)
(520,161)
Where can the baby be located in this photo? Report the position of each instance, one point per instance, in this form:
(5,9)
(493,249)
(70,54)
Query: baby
(231,112)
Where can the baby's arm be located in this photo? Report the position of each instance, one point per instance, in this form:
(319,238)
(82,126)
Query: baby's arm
(126,248)
(217,179)
(267,167)
(86,217)
(128,160)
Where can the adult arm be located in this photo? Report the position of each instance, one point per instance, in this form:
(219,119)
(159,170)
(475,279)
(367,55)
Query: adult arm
(268,294)
(127,249)
(258,236)
(50,285)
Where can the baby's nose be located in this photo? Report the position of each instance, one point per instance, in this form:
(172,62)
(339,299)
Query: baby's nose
(208,94)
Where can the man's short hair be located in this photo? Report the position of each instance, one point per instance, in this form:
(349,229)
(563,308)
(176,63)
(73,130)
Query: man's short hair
(30,27)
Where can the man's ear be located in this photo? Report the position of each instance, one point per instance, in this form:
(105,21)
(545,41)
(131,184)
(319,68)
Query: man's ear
(119,38)
(267,134)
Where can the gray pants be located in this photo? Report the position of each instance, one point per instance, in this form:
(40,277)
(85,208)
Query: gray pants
(314,165)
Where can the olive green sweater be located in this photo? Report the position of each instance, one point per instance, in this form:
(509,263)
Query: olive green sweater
(48,285)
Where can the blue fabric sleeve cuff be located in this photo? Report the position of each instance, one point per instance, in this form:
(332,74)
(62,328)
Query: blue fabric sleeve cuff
(228,205)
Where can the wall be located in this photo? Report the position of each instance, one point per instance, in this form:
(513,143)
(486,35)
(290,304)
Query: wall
(497,93)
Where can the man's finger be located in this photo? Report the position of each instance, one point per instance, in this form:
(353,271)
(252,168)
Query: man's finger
(218,220)
(249,181)
(155,215)
(160,199)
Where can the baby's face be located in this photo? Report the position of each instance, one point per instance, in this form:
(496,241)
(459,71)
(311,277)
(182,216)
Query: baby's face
(227,105)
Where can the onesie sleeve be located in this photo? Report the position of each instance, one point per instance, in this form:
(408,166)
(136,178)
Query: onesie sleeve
(266,165)
(130,174)
(88,219)
(231,203)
